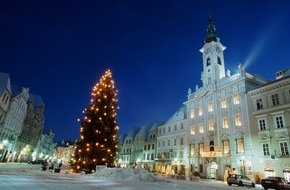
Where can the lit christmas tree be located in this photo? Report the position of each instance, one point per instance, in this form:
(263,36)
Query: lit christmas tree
(98,132)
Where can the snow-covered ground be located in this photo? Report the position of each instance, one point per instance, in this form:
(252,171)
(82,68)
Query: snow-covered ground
(16,176)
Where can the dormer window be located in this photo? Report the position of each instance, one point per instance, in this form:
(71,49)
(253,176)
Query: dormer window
(208,61)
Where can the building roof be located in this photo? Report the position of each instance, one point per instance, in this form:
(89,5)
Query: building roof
(4,82)
(179,115)
(38,101)
(144,130)
(132,133)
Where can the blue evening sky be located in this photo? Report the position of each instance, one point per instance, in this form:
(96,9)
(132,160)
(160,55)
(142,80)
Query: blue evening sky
(60,49)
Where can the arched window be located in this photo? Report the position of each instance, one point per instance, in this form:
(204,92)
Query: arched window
(219,61)
(211,145)
(208,61)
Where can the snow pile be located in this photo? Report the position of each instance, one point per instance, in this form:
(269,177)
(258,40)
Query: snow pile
(18,167)
(127,174)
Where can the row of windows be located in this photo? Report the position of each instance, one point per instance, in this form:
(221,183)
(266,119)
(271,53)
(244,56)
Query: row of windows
(128,150)
(208,62)
(210,106)
(225,124)
(152,136)
(278,122)
(169,142)
(170,155)
(226,147)
(275,101)
(149,146)
(284,149)
(283,146)
(162,130)
(148,156)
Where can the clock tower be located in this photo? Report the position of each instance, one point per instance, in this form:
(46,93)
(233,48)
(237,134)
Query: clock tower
(213,57)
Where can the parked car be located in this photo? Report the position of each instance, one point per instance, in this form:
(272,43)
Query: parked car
(240,180)
(36,162)
(278,183)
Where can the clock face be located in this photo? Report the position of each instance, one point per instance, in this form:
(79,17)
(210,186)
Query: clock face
(207,50)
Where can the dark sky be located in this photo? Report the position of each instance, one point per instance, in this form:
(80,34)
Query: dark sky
(60,49)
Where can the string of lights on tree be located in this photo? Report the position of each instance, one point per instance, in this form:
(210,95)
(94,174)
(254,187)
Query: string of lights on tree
(98,129)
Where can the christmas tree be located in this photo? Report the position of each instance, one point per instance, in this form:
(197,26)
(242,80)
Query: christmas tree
(98,132)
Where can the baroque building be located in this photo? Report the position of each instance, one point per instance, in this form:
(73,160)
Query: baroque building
(233,122)
(217,114)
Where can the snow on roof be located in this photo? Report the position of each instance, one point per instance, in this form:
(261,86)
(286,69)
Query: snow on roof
(179,115)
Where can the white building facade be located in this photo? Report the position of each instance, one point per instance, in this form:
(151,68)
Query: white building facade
(271,127)
(234,122)
(14,119)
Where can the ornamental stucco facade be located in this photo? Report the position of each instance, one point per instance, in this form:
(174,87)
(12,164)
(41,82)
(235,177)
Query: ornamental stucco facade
(270,119)
(236,121)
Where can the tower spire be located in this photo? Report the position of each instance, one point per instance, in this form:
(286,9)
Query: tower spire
(211,33)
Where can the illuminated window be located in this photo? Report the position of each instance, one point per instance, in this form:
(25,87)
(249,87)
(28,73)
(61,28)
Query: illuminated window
(211,146)
(275,99)
(262,124)
(226,147)
(210,125)
(236,99)
(240,146)
(210,108)
(192,149)
(225,122)
(238,120)
(201,129)
(223,103)
(266,149)
(200,112)
(192,113)
(201,148)
(192,130)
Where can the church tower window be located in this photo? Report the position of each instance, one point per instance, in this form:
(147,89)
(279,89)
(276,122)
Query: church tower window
(208,61)
(219,61)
